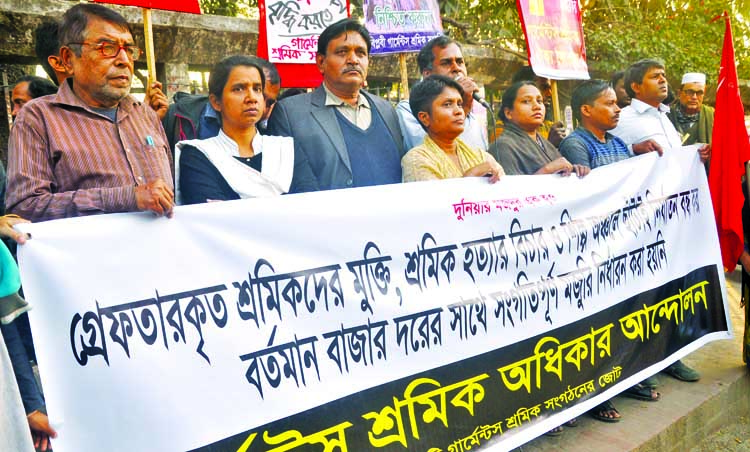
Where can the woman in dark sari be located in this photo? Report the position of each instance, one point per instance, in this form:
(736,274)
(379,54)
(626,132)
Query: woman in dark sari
(521,149)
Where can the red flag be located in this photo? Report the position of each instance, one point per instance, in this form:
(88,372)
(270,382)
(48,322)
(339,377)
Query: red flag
(731,149)
(183,6)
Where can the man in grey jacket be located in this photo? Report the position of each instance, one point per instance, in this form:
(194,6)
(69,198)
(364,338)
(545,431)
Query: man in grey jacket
(343,136)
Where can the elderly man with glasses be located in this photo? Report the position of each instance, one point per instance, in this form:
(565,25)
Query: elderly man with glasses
(691,117)
(91,148)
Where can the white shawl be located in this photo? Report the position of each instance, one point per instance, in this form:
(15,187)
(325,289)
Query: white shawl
(276,172)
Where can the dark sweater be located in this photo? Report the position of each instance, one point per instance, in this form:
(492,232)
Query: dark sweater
(370,168)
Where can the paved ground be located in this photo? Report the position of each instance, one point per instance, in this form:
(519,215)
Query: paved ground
(732,438)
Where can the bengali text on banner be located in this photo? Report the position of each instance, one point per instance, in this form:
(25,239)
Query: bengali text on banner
(438,316)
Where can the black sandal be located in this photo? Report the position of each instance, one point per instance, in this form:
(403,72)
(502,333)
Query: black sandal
(599,412)
(641,392)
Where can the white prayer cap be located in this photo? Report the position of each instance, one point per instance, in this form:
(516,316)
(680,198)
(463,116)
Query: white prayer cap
(694,77)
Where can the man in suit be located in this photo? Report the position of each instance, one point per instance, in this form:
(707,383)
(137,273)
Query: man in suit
(343,136)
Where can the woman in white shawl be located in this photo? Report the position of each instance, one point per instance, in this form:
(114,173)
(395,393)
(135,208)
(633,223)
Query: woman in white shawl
(240,162)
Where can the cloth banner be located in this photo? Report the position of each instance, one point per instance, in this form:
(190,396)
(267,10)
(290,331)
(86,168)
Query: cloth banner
(181,6)
(402,26)
(554,38)
(436,316)
(288,36)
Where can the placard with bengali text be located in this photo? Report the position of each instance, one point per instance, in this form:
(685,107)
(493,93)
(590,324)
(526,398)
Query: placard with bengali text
(293,27)
(554,38)
(402,26)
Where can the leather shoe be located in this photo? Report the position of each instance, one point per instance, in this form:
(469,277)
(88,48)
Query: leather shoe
(682,372)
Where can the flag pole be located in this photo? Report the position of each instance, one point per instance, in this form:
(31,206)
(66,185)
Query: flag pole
(404,76)
(555,101)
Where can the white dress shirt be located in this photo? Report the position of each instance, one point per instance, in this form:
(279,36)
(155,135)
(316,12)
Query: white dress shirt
(640,121)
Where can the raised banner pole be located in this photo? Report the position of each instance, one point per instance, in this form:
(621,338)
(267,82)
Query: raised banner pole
(148,34)
(555,101)
(404,76)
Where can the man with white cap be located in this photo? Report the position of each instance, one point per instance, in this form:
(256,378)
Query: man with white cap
(692,119)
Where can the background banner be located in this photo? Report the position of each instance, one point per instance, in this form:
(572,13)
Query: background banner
(402,26)
(554,38)
(437,316)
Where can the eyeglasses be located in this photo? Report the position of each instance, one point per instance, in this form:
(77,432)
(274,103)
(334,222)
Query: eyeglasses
(111,50)
(691,93)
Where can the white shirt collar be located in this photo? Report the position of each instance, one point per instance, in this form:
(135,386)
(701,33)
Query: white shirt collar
(642,107)
(233,149)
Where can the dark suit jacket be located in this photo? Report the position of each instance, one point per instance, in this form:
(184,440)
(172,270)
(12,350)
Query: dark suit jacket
(321,161)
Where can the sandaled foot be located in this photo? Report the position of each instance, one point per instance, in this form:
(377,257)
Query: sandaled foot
(557,431)
(641,392)
(682,372)
(605,412)
(572,423)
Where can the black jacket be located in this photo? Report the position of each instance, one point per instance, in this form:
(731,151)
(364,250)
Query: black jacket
(183,117)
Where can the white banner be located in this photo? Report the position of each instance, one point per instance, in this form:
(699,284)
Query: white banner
(293,27)
(312,321)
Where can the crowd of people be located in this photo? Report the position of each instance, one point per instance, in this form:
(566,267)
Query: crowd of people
(81,145)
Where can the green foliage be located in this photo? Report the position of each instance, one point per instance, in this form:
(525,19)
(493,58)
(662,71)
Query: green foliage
(618,32)
(224,7)
(682,33)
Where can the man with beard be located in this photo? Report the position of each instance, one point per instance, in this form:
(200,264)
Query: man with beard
(692,119)
(343,136)
(595,107)
(91,148)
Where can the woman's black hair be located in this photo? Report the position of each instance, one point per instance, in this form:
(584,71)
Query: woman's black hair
(424,93)
(510,95)
(220,73)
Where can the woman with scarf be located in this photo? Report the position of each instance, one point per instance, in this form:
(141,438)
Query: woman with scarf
(436,102)
(240,162)
(521,149)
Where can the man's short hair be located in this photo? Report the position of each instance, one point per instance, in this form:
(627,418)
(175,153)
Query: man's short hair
(46,44)
(219,75)
(524,74)
(424,93)
(616,77)
(76,19)
(637,71)
(274,78)
(336,29)
(291,92)
(586,94)
(426,55)
(38,86)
